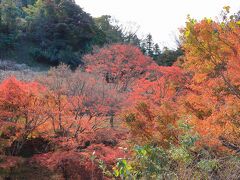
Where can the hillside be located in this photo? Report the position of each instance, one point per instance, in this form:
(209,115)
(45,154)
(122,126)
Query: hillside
(82,99)
(46,33)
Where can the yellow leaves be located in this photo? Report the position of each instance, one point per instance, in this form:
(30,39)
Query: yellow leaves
(227,8)
(189,27)
(208,20)
(187,33)
(222,24)
(232,24)
(191,20)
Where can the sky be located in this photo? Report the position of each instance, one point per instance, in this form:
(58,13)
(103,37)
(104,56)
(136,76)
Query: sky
(161,18)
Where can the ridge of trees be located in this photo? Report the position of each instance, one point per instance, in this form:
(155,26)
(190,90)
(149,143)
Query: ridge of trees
(60,31)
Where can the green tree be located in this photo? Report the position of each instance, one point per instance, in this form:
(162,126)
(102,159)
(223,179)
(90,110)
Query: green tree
(61,30)
(156,51)
(147,45)
(8,25)
(113,32)
(109,31)
(168,56)
(9,14)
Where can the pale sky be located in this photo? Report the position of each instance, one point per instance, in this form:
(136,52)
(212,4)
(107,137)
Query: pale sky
(161,18)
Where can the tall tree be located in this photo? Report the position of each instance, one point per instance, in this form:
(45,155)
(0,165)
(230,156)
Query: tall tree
(119,64)
(8,25)
(108,25)
(147,45)
(61,30)
(212,58)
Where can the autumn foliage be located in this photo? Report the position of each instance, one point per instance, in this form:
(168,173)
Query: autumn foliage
(119,64)
(203,90)
(212,58)
(120,97)
(20,109)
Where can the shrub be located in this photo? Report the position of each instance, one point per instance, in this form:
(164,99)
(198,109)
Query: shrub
(7,42)
(181,161)
(54,56)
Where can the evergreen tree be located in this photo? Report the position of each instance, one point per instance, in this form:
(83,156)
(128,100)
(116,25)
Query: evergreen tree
(113,32)
(61,30)
(167,57)
(8,25)
(149,45)
(156,51)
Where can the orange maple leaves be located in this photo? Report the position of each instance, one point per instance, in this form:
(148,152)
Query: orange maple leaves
(204,90)
(119,64)
(20,103)
(63,103)
(212,57)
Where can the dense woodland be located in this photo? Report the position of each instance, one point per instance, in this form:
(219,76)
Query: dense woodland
(112,105)
(59,31)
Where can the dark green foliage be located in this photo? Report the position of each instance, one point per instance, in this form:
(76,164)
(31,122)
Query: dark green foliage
(99,38)
(8,16)
(167,57)
(8,25)
(147,46)
(24,3)
(53,56)
(61,30)
(110,31)
(7,42)
(113,33)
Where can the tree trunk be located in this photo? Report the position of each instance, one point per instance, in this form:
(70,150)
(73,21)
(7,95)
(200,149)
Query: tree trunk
(111,121)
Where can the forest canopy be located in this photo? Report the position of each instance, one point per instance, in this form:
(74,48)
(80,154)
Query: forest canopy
(60,31)
(114,106)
